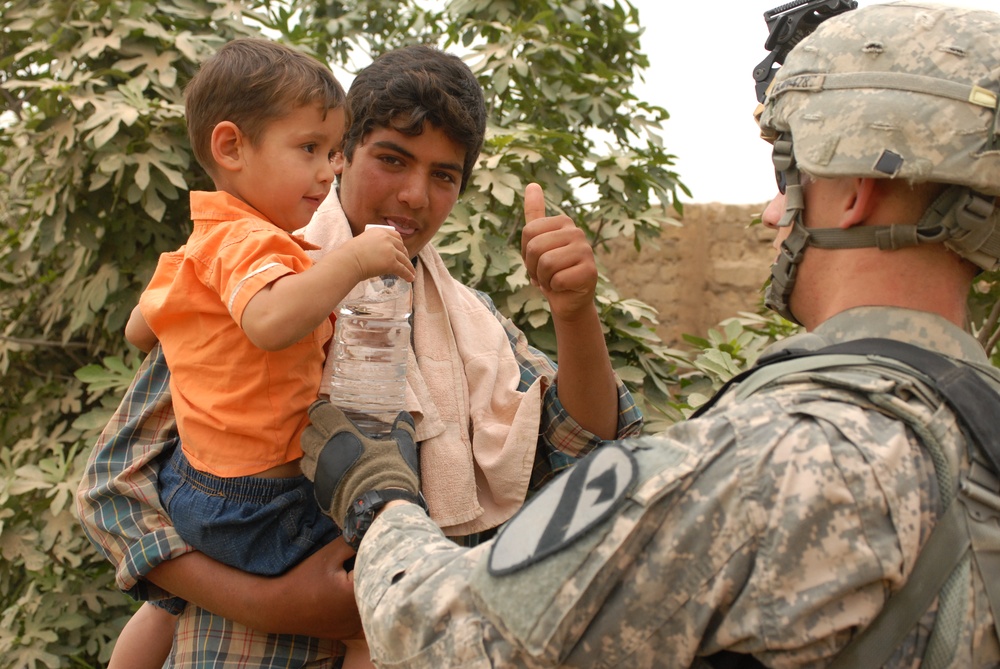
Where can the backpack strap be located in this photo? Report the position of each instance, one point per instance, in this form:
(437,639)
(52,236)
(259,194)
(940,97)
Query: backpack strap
(979,491)
(971,399)
(941,554)
(972,522)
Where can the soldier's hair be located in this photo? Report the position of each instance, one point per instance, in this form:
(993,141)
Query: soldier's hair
(252,82)
(405,88)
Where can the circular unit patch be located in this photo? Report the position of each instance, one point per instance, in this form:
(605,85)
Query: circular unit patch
(565,509)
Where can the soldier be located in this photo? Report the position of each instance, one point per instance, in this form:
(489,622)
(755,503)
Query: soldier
(774,528)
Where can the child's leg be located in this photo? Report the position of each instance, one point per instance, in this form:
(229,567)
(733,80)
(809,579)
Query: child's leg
(357,655)
(145,640)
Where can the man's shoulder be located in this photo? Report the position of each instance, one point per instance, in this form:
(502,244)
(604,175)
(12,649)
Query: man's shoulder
(802,408)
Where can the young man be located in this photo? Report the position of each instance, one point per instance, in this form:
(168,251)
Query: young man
(414,127)
(818,493)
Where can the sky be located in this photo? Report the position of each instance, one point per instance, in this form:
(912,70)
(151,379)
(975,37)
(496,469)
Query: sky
(702,56)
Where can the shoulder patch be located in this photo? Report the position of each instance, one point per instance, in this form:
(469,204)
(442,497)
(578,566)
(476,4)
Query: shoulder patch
(565,509)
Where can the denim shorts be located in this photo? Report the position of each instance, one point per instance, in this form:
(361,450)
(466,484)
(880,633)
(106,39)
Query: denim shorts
(258,525)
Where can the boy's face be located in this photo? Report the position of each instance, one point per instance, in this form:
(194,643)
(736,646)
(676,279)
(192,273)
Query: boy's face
(289,173)
(408,182)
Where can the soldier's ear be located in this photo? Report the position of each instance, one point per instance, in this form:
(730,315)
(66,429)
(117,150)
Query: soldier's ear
(859,201)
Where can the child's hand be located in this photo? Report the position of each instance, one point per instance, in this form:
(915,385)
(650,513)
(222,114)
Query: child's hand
(378,251)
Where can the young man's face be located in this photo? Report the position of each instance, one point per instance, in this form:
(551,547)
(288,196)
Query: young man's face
(408,182)
(289,173)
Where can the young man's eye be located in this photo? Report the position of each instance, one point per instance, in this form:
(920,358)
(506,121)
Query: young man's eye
(446,176)
(309,148)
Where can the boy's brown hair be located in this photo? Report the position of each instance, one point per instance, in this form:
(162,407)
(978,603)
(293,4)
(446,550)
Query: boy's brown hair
(252,82)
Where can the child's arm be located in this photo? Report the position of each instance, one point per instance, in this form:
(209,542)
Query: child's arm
(288,309)
(137,331)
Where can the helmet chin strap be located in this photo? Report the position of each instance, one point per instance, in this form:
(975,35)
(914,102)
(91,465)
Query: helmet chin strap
(793,248)
(965,221)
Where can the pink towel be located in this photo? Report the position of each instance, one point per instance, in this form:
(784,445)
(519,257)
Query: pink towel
(478,433)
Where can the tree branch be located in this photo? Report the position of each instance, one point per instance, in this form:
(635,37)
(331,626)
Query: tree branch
(41,342)
(987,336)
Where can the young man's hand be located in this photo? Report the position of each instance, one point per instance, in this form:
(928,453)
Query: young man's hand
(559,259)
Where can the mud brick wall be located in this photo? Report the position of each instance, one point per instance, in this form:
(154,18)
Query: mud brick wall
(696,275)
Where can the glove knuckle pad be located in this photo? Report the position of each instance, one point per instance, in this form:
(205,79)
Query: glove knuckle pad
(336,459)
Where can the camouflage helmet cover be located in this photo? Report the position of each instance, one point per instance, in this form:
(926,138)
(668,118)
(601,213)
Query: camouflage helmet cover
(903,90)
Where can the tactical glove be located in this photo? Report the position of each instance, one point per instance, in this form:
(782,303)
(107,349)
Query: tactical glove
(344,463)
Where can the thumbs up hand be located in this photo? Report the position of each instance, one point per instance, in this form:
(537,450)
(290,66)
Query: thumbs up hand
(559,259)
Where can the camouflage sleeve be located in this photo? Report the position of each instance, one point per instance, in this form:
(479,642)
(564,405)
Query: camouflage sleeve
(118,501)
(775,528)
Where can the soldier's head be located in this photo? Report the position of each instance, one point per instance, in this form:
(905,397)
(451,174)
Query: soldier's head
(901,91)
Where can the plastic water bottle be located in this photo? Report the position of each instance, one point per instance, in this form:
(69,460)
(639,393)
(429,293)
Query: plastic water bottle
(370,341)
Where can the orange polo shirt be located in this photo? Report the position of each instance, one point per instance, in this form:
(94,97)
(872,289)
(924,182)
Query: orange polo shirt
(240,409)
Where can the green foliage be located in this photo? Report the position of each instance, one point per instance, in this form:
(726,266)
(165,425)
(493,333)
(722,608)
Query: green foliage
(94,172)
(556,74)
(984,312)
(724,353)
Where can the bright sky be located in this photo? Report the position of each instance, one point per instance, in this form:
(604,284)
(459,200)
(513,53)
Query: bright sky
(702,57)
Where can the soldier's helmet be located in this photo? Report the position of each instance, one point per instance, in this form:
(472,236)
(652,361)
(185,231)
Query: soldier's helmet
(901,90)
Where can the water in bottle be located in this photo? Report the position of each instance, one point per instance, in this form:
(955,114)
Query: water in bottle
(370,343)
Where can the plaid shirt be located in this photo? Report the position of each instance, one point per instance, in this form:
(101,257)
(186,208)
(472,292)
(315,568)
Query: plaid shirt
(120,509)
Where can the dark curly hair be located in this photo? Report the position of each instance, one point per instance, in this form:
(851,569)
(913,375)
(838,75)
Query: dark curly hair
(404,88)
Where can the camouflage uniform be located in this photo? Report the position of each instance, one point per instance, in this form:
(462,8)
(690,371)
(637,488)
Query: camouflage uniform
(777,526)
